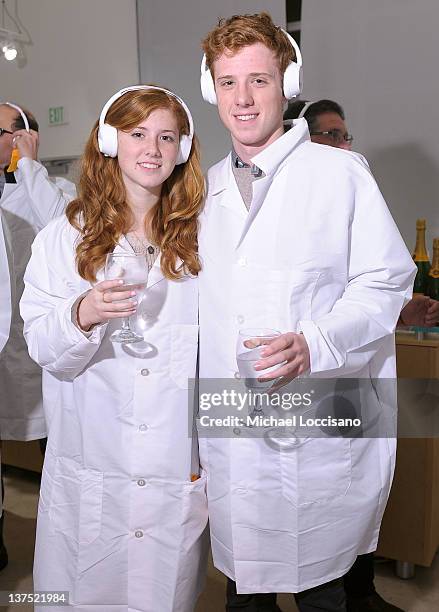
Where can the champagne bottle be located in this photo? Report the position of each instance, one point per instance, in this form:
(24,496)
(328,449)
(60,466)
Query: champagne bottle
(433,275)
(420,257)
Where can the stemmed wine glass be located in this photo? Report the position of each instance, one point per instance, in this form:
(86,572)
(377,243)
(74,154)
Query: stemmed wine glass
(132,268)
(249,345)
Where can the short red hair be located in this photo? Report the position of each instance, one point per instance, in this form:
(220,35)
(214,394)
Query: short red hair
(240,31)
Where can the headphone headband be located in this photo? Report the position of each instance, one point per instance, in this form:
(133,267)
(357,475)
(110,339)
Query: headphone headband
(298,60)
(305,108)
(107,134)
(22,113)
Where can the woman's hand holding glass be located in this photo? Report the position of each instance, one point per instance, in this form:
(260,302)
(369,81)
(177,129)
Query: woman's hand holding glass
(133,269)
(103,303)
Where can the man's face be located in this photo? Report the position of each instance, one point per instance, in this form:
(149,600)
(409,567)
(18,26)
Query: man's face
(250,100)
(7,117)
(331,122)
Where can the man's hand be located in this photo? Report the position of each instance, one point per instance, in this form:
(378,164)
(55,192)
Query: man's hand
(291,352)
(432,315)
(103,303)
(421,311)
(26,143)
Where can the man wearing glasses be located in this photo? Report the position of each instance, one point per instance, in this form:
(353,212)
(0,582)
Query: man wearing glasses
(326,121)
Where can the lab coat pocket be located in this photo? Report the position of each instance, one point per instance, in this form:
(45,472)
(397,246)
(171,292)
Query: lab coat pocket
(76,501)
(184,347)
(194,540)
(268,297)
(194,512)
(317,471)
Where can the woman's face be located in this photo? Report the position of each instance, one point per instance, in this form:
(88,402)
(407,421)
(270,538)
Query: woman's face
(147,153)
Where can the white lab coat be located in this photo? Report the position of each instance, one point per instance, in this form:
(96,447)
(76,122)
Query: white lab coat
(120,524)
(5,293)
(318,253)
(27,207)
(5,284)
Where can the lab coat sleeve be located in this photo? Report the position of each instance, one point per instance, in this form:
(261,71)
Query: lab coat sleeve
(47,197)
(380,279)
(53,340)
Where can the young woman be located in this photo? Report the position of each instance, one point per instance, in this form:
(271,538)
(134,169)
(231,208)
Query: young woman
(122,505)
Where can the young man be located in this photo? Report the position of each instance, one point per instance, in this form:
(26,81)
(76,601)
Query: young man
(29,199)
(297,238)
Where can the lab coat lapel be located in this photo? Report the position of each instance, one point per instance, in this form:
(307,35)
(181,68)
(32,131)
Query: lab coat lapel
(223,186)
(260,190)
(269,161)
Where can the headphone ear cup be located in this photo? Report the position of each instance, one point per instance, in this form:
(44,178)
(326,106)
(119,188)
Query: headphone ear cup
(207,87)
(107,140)
(184,149)
(292,81)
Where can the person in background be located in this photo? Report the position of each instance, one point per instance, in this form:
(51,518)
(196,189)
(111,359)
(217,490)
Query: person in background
(287,243)
(327,125)
(29,200)
(122,510)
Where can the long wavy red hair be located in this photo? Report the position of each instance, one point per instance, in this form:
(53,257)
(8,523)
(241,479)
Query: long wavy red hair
(101,212)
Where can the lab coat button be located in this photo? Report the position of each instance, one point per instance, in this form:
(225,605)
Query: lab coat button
(141,482)
(144,372)
(240,319)
(138,533)
(242,261)
(143,427)
(237,375)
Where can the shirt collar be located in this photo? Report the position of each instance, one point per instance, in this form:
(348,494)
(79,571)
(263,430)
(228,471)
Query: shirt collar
(272,156)
(238,163)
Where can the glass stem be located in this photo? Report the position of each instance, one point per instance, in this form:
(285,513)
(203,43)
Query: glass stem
(258,408)
(126,324)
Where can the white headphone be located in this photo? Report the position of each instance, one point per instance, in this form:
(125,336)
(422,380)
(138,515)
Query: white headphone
(292,83)
(22,113)
(304,109)
(107,134)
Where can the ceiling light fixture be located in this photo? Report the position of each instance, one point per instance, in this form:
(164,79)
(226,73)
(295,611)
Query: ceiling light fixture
(10,39)
(9,51)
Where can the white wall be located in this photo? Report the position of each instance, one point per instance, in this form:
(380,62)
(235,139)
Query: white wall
(380,61)
(170,35)
(82,52)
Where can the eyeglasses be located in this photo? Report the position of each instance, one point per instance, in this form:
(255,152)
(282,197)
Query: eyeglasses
(3,131)
(336,136)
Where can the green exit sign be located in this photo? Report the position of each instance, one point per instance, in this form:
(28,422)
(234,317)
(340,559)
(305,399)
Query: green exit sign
(57,115)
